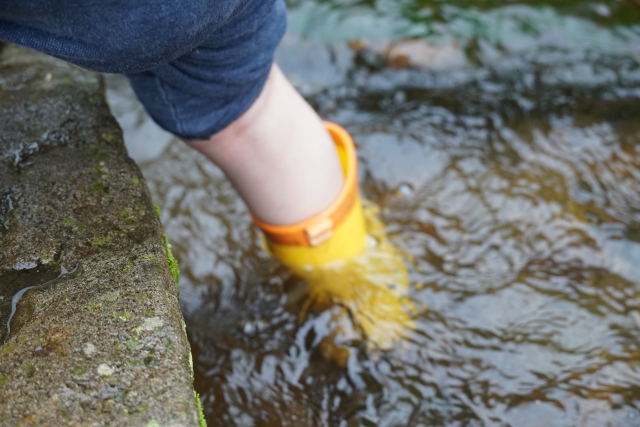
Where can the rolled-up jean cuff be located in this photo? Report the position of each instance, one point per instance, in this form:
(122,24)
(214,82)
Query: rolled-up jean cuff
(205,90)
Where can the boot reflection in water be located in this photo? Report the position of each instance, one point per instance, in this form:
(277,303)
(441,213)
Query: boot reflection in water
(347,260)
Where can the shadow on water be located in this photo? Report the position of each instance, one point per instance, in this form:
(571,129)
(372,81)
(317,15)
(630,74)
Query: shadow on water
(512,179)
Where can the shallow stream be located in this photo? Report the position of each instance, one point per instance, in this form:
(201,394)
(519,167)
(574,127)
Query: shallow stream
(504,150)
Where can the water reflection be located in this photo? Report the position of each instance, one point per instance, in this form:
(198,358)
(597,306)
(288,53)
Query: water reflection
(513,246)
(515,190)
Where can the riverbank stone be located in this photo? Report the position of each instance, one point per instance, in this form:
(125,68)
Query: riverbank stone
(91,332)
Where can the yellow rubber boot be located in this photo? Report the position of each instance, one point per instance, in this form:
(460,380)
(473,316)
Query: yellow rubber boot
(336,234)
(342,266)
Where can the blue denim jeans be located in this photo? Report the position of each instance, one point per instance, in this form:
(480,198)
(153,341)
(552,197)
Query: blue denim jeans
(196,65)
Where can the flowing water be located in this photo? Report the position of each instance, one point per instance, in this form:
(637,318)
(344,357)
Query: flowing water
(503,147)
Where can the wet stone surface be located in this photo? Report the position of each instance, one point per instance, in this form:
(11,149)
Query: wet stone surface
(90,327)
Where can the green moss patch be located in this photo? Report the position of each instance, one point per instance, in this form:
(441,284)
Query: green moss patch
(133,345)
(92,306)
(173,263)
(100,241)
(108,137)
(125,213)
(7,348)
(71,222)
(100,170)
(29,370)
(97,187)
(201,420)
(122,316)
(126,216)
(79,370)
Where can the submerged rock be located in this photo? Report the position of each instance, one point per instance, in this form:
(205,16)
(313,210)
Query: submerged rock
(90,326)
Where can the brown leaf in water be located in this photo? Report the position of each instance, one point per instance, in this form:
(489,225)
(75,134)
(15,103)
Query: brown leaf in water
(357,45)
(424,54)
(399,61)
(413,53)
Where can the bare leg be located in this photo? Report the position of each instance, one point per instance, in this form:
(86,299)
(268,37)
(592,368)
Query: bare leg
(278,156)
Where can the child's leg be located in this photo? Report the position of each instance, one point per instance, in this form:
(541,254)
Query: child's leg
(278,155)
(228,99)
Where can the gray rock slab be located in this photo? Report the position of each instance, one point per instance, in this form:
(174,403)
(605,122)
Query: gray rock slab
(91,332)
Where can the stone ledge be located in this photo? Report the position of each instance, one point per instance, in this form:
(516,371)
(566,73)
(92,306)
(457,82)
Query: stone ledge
(98,337)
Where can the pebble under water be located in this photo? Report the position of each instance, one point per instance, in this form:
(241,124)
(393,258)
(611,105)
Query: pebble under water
(513,182)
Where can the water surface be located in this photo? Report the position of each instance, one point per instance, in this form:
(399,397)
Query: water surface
(511,176)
